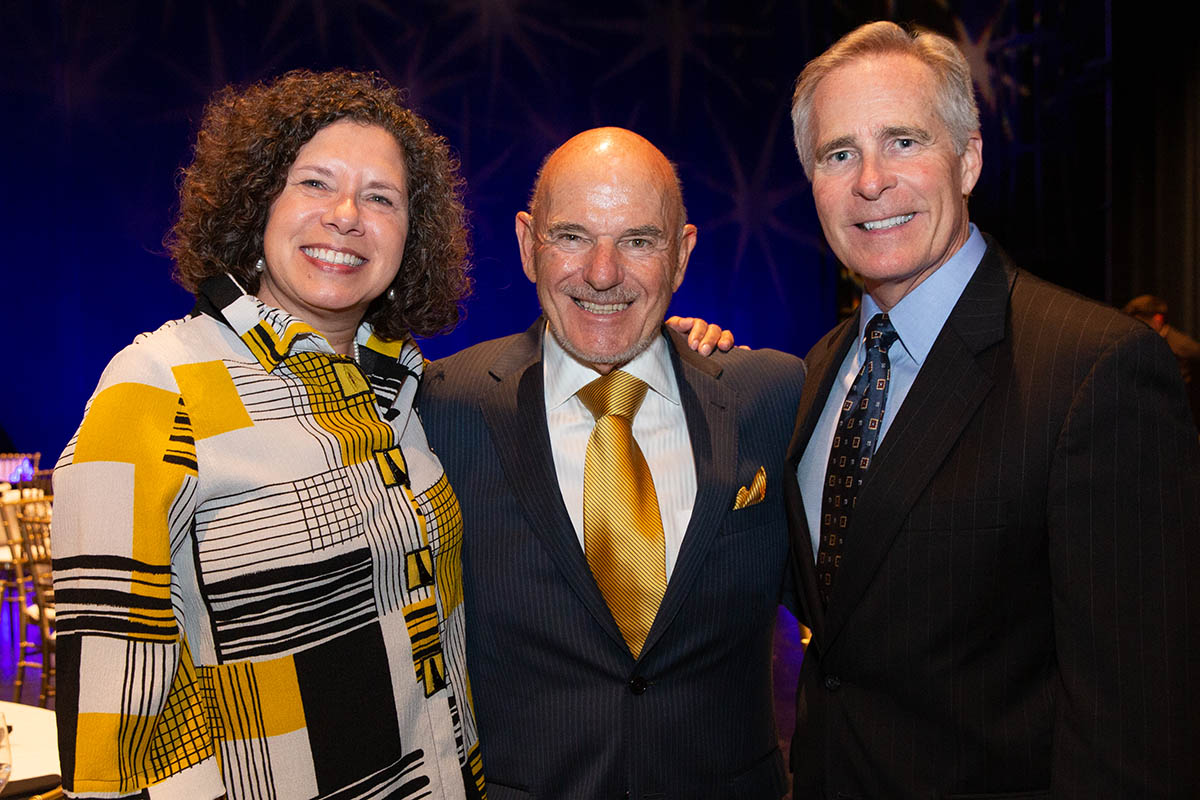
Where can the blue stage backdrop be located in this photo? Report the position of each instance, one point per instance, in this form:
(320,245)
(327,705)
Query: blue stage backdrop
(103,99)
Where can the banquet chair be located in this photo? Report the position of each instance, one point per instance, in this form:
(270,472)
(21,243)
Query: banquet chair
(14,502)
(8,565)
(35,584)
(41,479)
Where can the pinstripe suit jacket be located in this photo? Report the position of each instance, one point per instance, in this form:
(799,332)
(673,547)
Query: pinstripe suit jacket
(1015,614)
(564,709)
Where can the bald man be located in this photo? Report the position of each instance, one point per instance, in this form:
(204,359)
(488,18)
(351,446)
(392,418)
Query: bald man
(618,639)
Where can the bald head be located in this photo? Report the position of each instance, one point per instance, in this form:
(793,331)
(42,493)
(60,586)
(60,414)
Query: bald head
(620,148)
(606,241)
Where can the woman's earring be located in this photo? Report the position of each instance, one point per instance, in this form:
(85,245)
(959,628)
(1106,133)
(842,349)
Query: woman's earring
(391,294)
(260,265)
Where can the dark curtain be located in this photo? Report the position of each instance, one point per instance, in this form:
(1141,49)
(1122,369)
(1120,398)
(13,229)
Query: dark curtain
(1156,163)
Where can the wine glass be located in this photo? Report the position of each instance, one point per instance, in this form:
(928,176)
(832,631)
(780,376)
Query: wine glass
(5,753)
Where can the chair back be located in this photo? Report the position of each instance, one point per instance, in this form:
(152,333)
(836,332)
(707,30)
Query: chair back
(15,503)
(42,481)
(22,503)
(34,564)
(35,576)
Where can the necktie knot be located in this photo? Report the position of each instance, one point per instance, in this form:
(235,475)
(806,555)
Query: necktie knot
(616,394)
(880,334)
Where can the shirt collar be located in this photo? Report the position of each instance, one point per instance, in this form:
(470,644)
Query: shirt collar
(920,315)
(272,334)
(564,376)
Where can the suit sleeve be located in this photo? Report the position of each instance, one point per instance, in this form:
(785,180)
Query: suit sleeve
(1123,539)
(796,374)
(131,720)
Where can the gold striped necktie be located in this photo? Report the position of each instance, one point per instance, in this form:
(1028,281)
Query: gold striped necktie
(622,529)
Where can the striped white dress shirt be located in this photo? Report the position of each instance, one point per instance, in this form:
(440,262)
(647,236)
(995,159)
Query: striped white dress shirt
(660,429)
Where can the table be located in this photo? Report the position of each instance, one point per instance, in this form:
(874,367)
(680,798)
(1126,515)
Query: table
(34,749)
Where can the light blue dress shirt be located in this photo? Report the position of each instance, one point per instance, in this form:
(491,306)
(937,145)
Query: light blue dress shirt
(918,319)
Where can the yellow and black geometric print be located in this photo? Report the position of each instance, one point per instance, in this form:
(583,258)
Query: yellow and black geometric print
(418,569)
(428,662)
(392,467)
(237,531)
(444,529)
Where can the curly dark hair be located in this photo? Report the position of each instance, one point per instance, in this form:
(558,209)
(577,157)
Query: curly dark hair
(248,141)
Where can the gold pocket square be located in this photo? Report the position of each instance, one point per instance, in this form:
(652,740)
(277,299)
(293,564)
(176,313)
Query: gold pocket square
(748,496)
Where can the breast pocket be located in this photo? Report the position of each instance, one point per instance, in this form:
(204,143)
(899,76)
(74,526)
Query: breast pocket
(743,570)
(965,516)
(757,515)
(958,553)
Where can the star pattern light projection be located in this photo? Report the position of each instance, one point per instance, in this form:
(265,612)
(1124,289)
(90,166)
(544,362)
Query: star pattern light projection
(107,100)
(759,201)
(683,33)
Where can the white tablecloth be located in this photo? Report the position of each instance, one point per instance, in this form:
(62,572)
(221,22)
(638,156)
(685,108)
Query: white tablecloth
(34,748)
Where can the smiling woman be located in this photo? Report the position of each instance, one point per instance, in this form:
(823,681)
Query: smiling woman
(336,233)
(257,554)
(249,142)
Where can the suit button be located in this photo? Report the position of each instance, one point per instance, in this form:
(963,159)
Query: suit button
(833,683)
(638,685)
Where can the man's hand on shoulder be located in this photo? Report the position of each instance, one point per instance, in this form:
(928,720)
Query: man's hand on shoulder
(703,337)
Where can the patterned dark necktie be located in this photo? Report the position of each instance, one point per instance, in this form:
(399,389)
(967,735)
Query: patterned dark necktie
(854,442)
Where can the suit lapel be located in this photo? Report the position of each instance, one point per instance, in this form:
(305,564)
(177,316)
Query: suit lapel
(945,396)
(515,413)
(823,366)
(711,411)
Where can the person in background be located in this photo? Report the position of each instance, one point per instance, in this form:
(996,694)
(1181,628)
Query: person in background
(1153,311)
(995,507)
(626,545)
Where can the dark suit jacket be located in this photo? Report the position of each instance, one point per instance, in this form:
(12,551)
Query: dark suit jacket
(1016,608)
(563,709)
